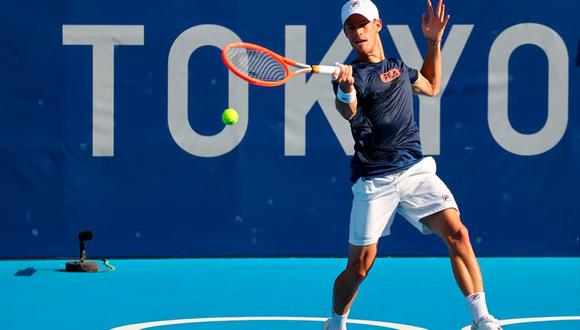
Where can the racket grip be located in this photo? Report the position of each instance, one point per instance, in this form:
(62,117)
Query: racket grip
(325,69)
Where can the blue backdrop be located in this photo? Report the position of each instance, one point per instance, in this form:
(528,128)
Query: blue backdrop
(146,195)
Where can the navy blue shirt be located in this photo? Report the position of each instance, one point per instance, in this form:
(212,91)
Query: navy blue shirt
(384,130)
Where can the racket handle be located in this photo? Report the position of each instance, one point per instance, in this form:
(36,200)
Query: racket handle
(325,69)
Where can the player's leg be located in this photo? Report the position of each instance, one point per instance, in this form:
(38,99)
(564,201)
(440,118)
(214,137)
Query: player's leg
(448,226)
(373,210)
(427,203)
(360,261)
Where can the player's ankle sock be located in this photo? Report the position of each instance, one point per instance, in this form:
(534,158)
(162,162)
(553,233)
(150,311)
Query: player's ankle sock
(477,305)
(338,322)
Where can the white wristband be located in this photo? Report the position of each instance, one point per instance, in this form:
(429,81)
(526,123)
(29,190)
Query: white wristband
(347,98)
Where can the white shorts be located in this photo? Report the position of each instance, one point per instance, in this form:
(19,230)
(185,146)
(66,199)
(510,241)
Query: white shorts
(414,193)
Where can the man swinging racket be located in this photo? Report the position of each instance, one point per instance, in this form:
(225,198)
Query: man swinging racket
(389,171)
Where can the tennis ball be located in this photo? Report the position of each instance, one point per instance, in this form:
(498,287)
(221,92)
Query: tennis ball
(230,116)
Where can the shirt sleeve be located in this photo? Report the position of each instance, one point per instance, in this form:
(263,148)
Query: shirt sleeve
(413,74)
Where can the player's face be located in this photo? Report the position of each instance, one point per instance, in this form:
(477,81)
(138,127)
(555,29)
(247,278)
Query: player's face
(362,33)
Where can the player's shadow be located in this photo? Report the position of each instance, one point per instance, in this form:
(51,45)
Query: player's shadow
(31,271)
(26,272)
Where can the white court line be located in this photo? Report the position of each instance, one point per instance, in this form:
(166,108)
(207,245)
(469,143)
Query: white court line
(379,324)
(534,320)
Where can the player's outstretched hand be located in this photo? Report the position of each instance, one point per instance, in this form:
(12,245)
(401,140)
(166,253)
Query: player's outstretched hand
(344,77)
(434,27)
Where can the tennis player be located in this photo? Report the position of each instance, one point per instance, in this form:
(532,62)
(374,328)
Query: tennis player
(389,172)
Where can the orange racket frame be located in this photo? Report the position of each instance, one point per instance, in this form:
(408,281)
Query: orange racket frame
(285,62)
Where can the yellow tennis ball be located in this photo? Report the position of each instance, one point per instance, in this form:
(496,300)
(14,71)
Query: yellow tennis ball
(230,116)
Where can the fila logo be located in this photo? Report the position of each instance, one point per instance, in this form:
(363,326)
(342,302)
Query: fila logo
(390,75)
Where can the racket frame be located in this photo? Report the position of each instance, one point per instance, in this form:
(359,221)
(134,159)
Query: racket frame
(285,62)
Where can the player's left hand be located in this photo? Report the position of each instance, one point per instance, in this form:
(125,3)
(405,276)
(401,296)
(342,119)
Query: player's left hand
(434,27)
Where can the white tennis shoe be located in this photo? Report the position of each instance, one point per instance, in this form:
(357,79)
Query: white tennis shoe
(327,326)
(487,322)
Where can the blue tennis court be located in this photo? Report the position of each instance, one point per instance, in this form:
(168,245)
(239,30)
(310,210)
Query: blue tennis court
(280,294)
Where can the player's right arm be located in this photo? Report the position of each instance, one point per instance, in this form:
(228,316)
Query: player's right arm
(345,82)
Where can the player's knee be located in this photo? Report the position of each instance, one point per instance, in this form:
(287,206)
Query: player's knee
(360,274)
(458,241)
(358,270)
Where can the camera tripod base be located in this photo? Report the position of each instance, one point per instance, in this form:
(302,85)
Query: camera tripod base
(77,266)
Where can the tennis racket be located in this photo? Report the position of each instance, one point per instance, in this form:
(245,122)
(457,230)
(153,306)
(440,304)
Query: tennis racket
(260,66)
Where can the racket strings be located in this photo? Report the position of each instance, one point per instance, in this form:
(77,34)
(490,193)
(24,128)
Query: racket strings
(256,64)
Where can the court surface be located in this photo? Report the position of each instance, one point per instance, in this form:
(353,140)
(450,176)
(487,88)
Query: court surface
(281,294)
